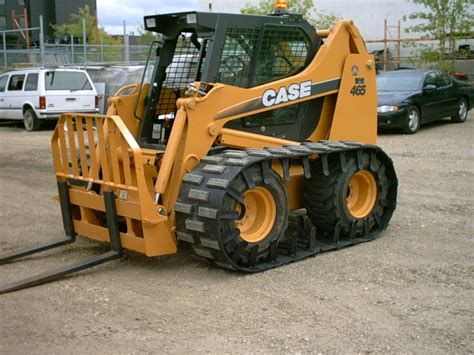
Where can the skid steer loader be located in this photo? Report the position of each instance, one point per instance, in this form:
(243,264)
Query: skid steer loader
(253,141)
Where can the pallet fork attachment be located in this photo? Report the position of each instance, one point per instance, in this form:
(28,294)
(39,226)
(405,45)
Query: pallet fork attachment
(115,252)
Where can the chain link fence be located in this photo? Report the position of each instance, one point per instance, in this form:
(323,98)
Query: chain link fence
(28,47)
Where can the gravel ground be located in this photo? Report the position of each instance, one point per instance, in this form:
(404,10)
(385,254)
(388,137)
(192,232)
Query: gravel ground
(410,291)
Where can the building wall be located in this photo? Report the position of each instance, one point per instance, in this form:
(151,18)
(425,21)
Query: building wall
(53,12)
(44,8)
(6,8)
(64,9)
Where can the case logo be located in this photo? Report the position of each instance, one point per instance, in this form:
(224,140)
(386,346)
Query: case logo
(293,92)
(355,70)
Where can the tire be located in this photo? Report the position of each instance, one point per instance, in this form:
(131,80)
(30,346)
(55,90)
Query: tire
(461,115)
(413,120)
(267,202)
(253,215)
(30,121)
(334,206)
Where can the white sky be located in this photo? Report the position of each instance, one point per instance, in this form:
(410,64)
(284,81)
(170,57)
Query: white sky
(112,13)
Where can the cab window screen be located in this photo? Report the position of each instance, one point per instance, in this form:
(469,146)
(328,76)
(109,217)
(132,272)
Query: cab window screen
(237,55)
(283,52)
(59,80)
(181,72)
(251,57)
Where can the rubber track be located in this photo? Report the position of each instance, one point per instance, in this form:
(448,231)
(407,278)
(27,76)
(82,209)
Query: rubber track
(196,207)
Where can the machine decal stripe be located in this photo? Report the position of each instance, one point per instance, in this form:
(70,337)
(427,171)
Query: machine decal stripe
(256,103)
(325,86)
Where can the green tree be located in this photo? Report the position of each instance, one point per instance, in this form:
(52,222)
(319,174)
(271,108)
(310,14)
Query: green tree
(446,21)
(318,18)
(95,34)
(145,37)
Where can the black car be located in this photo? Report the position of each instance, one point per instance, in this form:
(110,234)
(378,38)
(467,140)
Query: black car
(409,98)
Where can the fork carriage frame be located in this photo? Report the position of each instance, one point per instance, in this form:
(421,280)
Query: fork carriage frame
(116,164)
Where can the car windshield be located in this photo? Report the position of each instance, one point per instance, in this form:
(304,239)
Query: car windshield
(399,82)
(66,80)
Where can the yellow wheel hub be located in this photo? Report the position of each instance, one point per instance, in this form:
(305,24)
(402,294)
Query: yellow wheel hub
(361,194)
(257,215)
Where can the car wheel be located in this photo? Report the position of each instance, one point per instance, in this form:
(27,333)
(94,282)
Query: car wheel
(30,120)
(461,115)
(413,120)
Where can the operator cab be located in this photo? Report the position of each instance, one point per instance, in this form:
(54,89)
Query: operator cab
(233,49)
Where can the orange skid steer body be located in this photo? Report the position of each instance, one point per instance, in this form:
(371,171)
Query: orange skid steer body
(254,142)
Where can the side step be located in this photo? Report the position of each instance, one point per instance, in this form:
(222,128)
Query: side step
(115,245)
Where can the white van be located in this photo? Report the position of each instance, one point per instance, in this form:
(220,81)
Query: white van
(33,95)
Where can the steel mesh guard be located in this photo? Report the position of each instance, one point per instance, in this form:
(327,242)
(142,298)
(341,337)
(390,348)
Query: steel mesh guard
(237,55)
(179,73)
(283,51)
(253,56)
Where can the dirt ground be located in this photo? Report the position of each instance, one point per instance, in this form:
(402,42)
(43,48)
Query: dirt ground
(410,291)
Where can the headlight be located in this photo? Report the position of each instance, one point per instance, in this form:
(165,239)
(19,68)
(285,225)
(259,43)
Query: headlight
(191,19)
(150,22)
(385,108)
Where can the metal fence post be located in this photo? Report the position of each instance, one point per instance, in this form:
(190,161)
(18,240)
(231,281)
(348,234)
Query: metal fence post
(126,49)
(72,48)
(101,48)
(4,49)
(41,39)
(84,41)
